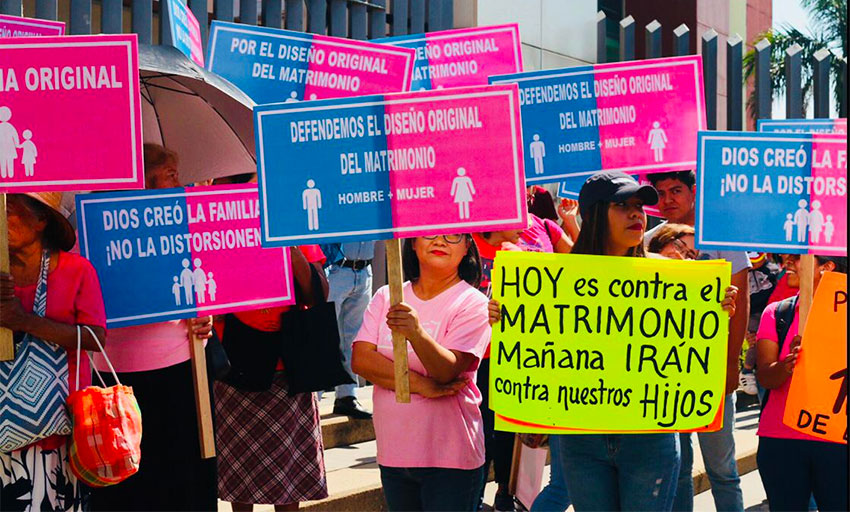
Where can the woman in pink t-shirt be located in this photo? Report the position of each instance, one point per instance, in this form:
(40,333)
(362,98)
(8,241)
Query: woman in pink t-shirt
(430,451)
(794,466)
(38,476)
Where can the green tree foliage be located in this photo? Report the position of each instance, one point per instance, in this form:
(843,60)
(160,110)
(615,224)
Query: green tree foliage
(828,27)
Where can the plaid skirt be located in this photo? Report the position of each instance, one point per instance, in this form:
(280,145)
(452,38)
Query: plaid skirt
(269,445)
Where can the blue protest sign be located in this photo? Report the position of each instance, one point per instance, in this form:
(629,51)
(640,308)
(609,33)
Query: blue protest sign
(772,192)
(273,65)
(636,117)
(185,31)
(803,125)
(395,165)
(181,253)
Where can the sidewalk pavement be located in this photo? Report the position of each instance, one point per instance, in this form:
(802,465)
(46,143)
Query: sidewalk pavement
(354,482)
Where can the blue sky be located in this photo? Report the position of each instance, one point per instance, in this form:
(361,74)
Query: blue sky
(790,12)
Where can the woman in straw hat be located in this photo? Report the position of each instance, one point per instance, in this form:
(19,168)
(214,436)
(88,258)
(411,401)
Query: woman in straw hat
(38,476)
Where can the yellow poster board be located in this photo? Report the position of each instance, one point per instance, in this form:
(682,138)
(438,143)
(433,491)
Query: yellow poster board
(817,397)
(606,344)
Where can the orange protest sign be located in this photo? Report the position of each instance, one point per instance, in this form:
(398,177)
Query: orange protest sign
(817,398)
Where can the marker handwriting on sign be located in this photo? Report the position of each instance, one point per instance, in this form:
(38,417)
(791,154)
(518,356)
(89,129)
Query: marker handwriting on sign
(647,328)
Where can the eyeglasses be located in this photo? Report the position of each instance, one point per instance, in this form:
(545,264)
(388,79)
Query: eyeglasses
(684,250)
(449,239)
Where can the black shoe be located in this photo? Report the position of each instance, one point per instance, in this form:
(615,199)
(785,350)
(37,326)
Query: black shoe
(349,406)
(504,503)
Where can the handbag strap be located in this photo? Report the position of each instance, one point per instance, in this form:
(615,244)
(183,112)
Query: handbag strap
(39,304)
(103,353)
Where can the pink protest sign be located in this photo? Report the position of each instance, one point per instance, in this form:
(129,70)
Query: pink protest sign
(638,117)
(15,26)
(464,56)
(394,165)
(70,117)
(272,65)
(181,253)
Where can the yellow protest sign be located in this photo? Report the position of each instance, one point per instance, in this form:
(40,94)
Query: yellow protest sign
(607,344)
(817,397)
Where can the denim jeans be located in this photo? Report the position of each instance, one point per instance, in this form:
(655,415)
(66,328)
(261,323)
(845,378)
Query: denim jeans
(718,453)
(350,290)
(621,471)
(793,469)
(554,497)
(429,489)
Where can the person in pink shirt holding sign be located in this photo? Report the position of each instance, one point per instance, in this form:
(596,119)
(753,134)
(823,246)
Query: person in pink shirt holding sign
(155,360)
(430,451)
(793,465)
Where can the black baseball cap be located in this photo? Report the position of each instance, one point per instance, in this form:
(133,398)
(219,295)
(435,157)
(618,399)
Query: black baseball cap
(613,187)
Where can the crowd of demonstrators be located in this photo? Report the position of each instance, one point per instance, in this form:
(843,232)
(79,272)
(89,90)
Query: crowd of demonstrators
(154,360)
(794,466)
(269,442)
(677,204)
(47,294)
(445,320)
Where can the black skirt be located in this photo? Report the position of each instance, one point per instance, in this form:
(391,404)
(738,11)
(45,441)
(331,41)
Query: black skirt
(172,475)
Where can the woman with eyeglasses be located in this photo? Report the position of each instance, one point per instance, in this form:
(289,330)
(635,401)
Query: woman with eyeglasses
(674,241)
(430,451)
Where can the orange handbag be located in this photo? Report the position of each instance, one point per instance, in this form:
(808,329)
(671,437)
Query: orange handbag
(106,429)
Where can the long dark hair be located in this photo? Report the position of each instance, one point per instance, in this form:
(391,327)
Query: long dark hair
(469,268)
(594,233)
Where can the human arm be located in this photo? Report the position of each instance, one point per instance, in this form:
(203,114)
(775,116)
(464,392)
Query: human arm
(773,372)
(568,212)
(14,317)
(379,370)
(442,364)
(304,277)
(737,327)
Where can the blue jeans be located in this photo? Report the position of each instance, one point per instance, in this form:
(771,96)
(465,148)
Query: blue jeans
(621,471)
(718,453)
(554,497)
(435,489)
(350,290)
(792,470)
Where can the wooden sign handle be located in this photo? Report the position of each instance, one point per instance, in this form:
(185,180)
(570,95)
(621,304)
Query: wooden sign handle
(807,288)
(202,397)
(7,346)
(515,462)
(396,280)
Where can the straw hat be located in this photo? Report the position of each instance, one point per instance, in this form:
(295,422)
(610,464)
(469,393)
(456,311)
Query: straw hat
(66,237)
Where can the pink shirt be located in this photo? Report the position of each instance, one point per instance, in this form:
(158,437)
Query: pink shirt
(142,348)
(73,297)
(541,235)
(443,432)
(770,424)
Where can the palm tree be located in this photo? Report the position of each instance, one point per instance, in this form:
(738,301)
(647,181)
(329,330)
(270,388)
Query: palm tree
(828,22)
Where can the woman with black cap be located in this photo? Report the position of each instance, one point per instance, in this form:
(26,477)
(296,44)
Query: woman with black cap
(47,294)
(620,471)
